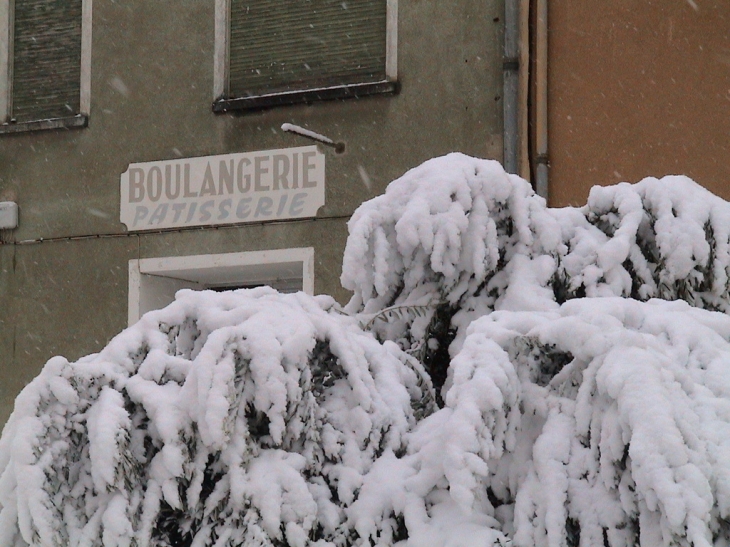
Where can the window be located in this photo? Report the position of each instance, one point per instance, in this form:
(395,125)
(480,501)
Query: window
(45,54)
(153,282)
(275,52)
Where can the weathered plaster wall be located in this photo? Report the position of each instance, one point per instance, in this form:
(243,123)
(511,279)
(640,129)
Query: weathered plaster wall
(152,81)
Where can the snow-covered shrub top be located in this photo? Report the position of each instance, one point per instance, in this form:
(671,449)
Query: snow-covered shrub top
(663,238)
(444,227)
(241,417)
(460,236)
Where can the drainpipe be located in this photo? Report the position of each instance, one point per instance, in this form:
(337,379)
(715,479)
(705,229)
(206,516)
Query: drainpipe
(524,92)
(511,72)
(541,90)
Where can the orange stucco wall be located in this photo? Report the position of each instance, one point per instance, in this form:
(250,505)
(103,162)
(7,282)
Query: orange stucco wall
(638,88)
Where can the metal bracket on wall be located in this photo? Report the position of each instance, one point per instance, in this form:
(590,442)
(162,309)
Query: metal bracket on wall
(542,159)
(511,63)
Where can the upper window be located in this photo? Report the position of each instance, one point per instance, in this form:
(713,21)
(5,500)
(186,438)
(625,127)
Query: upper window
(44,64)
(274,52)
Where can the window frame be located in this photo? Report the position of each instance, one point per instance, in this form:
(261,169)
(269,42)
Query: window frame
(6,75)
(166,274)
(222,103)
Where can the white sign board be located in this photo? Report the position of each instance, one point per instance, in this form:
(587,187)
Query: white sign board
(228,189)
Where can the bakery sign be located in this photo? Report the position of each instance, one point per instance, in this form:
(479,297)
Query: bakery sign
(229,189)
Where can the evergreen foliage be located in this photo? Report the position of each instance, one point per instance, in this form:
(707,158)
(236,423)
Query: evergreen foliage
(244,418)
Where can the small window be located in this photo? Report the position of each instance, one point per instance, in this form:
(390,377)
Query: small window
(275,52)
(44,64)
(153,282)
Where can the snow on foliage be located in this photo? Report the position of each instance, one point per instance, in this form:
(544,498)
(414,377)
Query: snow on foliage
(614,422)
(660,238)
(458,237)
(505,374)
(248,417)
(441,235)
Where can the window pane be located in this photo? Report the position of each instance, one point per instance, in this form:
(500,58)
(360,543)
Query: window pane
(46,59)
(284,45)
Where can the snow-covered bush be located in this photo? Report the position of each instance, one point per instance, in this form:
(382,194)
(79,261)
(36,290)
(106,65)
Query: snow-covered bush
(605,422)
(457,237)
(442,242)
(663,238)
(584,392)
(224,419)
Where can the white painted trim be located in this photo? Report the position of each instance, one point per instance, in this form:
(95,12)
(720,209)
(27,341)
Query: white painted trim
(6,40)
(220,53)
(391,41)
(133,296)
(85,84)
(308,270)
(169,265)
(217,270)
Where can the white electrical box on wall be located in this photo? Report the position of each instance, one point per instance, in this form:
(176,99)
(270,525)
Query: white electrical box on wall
(8,215)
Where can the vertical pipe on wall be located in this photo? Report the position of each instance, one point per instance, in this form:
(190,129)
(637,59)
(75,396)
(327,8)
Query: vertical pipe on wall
(523,95)
(541,113)
(511,71)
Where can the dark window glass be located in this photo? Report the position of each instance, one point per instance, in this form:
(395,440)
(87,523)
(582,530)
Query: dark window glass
(46,70)
(288,47)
